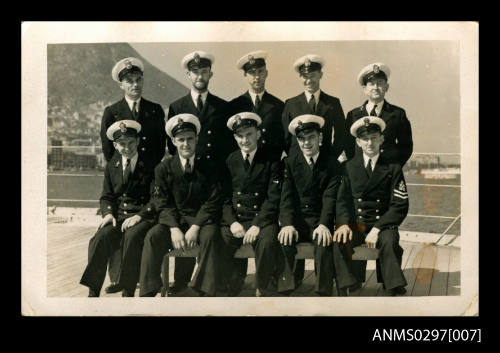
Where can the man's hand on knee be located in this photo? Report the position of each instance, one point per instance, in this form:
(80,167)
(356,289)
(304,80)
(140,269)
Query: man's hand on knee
(192,235)
(372,237)
(178,240)
(287,234)
(237,230)
(251,235)
(323,234)
(342,234)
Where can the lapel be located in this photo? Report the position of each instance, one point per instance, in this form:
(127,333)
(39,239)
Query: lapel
(209,106)
(137,175)
(322,107)
(302,100)
(387,112)
(361,111)
(188,105)
(304,169)
(359,175)
(380,171)
(143,111)
(255,168)
(265,105)
(116,172)
(124,112)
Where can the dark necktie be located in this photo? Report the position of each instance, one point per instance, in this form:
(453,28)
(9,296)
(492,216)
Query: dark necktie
(134,111)
(369,168)
(257,103)
(312,104)
(199,103)
(187,167)
(247,162)
(373,112)
(127,172)
(311,163)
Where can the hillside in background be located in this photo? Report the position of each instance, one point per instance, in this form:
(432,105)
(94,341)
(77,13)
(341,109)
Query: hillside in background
(80,87)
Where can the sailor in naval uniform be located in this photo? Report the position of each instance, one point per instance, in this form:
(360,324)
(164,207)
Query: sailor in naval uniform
(372,202)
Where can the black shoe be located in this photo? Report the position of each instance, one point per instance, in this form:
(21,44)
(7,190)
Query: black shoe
(298,283)
(322,294)
(235,287)
(397,291)
(342,292)
(355,287)
(93,293)
(177,287)
(113,288)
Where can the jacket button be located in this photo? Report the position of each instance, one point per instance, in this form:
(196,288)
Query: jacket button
(125,204)
(143,148)
(209,132)
(209,145)
(378,200)
(263,141)
(360,216)
(109,207)
(359,200)
(263,130)
(124,195)
(254,206)
(239,215)
(125,212)
(143,137)
(307,206)
(256,194)
(238,205)
(377,217)
(149,208)
(376,211)
(239,193)
(359,210)
(208,156)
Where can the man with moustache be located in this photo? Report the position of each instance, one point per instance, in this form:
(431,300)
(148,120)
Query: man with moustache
(307,209)
(129,74)
(258,100)
(187,198)
(215,142)
(372,202)
(314,101)
(252,188)
(398,142)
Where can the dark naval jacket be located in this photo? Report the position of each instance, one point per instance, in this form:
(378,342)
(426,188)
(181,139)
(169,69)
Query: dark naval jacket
(269,110)
(378,201)
(126,200)
(252,195)
(215,141)
(328,108)
(185,199)
(153,136)
(398,142)
(310,194)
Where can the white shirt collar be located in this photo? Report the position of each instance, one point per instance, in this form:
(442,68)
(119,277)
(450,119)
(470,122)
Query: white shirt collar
(194,96)
(369,107)
(130,102)
(133,162)
(315,158)
(254,95)
(315,94)
(252,154)
(183,162)
(374,160)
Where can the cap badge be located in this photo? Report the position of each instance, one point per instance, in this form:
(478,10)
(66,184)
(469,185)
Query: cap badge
(123,127)
(299,123)
(251,59)
(307,62)
(180,121)
(128,64)
(376,69)
(237,119)
(366,121)
(197,58)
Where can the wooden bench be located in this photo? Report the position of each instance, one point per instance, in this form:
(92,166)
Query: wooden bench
(304,251)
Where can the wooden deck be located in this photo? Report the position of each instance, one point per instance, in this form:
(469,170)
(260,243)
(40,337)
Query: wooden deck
(429,270)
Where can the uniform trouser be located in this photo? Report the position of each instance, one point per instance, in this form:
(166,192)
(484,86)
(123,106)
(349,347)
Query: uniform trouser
(156,244)
(104,243)
(114,265)
(389,259)
(267,252)
(329,262)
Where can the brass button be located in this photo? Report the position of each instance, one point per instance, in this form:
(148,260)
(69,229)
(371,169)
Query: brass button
(376,211)
(256,194)
(360,216)
(263,130)
(239,192)
(209,132)
(359,210)
(209,145)
(125,204)
(143,148)
(359,200)
(239,215)
(263,141)
(377,217)
(143,137)
(125,212)
(109,207)
(149,208)
(238,205)
(208,156)
(124,195)
(307,206)
(378,200)
(254,206)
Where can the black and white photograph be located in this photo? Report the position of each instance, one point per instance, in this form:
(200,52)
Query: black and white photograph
(250,168)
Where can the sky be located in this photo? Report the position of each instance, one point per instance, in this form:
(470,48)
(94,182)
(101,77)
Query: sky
(425,77)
